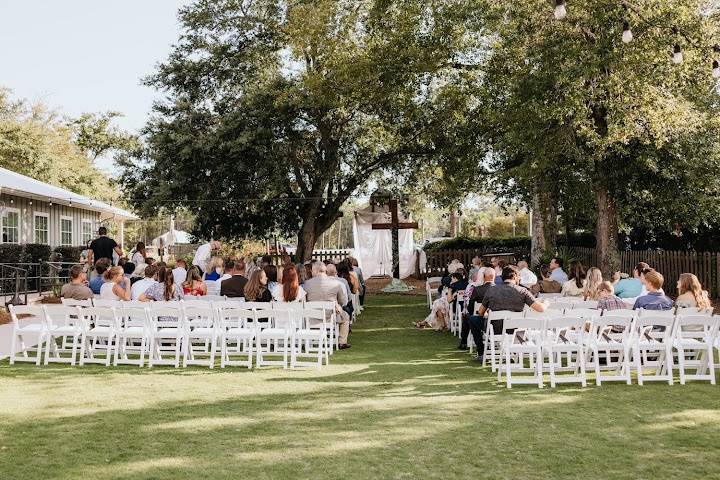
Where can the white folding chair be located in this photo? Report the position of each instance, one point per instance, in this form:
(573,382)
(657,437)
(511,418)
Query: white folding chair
(311,339)
(652,343)
(656,313)
(494,336)
(201,335)
(333,330)
(558,307)
(456,316)
(29,332)
(624,313)
(431,286)
(189,301)
(237,335)
(587,304)
(694,339)
(694,312)
(548,296)
(521,337)
(100,327)
(213,288)
(71,302)
(616,346)
(276,339)
(99,302)
(63,323)
(132,335)
(165,335)
(565,335)
(211,298)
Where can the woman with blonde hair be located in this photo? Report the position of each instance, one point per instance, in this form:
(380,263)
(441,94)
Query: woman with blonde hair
(591,289)
(691,293)
(215,269)
(193,284)
(116,286)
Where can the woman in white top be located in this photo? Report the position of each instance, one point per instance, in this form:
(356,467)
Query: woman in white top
(116,286)
(140,254)
(291,288)
(576,283)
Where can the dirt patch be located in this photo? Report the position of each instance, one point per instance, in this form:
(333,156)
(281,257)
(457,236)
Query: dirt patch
(375,285)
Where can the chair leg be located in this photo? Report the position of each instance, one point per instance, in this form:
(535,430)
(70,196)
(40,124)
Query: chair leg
(50,339)
(598,381)
(711,364)
(681,364)
(552,369)
(638,364)
(39,349)
(75,340)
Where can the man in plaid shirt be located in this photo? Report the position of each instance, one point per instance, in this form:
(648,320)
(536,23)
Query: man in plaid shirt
(608,300)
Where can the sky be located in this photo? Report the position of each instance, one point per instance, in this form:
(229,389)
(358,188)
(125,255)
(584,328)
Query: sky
(87,55)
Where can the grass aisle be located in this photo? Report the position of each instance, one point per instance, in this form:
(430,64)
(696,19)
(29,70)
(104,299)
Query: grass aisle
(400,404)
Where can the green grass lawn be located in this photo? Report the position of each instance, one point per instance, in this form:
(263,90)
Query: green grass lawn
(400,404)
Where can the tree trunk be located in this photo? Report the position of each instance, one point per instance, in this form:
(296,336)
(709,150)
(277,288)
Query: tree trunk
(306,242)
(544,226)
(606,231)
(453,223)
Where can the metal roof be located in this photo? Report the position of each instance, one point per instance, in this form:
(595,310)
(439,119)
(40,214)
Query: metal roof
(13,183)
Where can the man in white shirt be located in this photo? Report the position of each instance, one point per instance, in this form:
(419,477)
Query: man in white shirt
(180,272)
(203,255)
(527,277)
(141,286)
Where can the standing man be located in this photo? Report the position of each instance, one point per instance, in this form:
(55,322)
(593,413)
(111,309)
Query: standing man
(103,247)
(556,272)
(204,253)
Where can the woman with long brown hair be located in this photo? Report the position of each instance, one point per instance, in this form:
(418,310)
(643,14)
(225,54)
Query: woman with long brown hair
(691,293)
(193,284)
(256,288)
(165,290)
(576,280)
(291,290)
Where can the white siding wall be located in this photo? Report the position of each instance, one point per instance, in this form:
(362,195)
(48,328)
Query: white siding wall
(27,214)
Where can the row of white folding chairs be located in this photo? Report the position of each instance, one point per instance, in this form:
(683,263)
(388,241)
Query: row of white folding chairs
(431,289)
(642,342)
(298,330)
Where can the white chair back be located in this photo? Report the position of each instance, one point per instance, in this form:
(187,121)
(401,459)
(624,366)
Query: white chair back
(99,302)
(624,313)
(313,319)
(61,315)
(694,312)
(135,316)
(698,327)
(232,317)
(35,313)
(589,304)
(71,302)
(167,316)
(200,316)
(100,317)
(656,313)
(258,305)
(586,313)
(650,328)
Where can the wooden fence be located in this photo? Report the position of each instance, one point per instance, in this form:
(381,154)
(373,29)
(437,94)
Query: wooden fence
(705,265)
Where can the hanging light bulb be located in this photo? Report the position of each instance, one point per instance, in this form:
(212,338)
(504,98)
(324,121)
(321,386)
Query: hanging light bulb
(627,35)
(560,10)
(30,203)
(716,69)
(677,55)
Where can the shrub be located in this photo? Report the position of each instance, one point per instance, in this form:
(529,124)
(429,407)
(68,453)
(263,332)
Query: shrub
(483,244)
(10,253)
(69,254)
(36,253)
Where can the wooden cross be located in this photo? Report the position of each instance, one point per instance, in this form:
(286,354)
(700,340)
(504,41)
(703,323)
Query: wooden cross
(395,226)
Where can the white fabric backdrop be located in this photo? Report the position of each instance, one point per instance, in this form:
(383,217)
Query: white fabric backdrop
(373,248)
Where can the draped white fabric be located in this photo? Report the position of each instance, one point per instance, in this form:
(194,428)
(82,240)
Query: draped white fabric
(373,248)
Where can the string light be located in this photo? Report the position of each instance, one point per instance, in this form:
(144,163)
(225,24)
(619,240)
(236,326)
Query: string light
(560,10)
(627,35)
(677,57)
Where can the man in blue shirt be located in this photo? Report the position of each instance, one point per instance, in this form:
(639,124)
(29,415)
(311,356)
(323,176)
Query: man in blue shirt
(97,280)
(655,298)
(557,274)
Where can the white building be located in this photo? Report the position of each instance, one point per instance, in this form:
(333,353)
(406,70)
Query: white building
(32,211)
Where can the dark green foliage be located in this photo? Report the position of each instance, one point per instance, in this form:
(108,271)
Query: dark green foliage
(36,252)
(69,254)
(11,253)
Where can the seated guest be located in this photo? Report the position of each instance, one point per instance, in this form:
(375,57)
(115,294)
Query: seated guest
(215,269)
(332,273)
(291,290)
(475,266)
(324,289)
(691,293)
(486,280)
(451,268)
(301,273)
(116,286)
(193,284)
(98,279)
(630,287)
(150,261)
(509,296)
(265,260)
(608,300)
(141,286)
(592,283)
(359,275)
(547,284)
(128,269)
(180,272)
(140,255)
(271,272)
(138,274)
(527,278)
(308,271)
(256,288)
(498,271)
(164,290)
(655,298)
(573,287)
(556,272)
(77,289)
(234,287)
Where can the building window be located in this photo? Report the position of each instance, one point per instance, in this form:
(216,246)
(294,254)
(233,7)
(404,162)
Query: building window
(11,226)
(87,231)
(66,234)
(41,229)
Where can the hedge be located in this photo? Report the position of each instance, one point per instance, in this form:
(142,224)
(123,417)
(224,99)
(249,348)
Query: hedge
(507,243)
